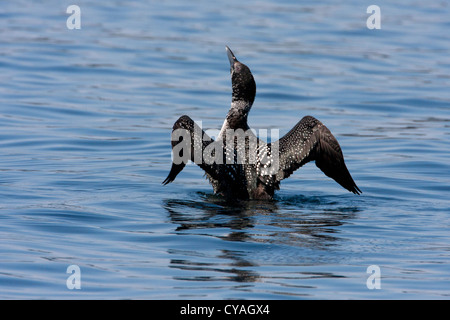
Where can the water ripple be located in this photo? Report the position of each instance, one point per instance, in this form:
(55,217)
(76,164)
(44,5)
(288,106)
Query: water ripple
(85,120)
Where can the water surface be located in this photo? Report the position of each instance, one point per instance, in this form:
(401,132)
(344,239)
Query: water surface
(85,121)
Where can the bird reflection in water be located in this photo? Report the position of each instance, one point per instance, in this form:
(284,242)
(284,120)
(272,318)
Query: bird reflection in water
(292,222)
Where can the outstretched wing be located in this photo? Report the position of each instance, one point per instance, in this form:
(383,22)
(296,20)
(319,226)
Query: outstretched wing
(310,140)
(189,142)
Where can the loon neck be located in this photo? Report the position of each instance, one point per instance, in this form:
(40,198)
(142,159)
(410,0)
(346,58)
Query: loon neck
(236,117)
(238,114)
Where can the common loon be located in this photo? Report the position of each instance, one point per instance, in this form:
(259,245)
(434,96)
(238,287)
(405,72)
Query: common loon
(260,176)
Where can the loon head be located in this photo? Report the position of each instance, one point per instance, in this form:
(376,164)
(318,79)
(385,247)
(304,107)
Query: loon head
(243,84)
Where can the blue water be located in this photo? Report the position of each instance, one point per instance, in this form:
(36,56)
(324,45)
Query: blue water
(85,122)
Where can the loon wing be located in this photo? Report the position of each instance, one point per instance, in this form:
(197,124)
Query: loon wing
(184,130)
(311,140)
(219,175)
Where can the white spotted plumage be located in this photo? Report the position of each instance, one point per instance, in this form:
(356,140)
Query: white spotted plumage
(309,140)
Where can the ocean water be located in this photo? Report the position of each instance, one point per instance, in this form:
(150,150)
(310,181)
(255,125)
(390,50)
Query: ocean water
(85,122)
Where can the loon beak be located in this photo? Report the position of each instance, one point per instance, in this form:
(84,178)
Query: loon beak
(231,57)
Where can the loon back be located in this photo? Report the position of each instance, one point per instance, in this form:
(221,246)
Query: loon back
(237,177)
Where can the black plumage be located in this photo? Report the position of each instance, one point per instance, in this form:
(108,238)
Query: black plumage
(241,166)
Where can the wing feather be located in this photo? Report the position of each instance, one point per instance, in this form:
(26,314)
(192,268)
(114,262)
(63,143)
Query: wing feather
(310,140)
(220,176)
